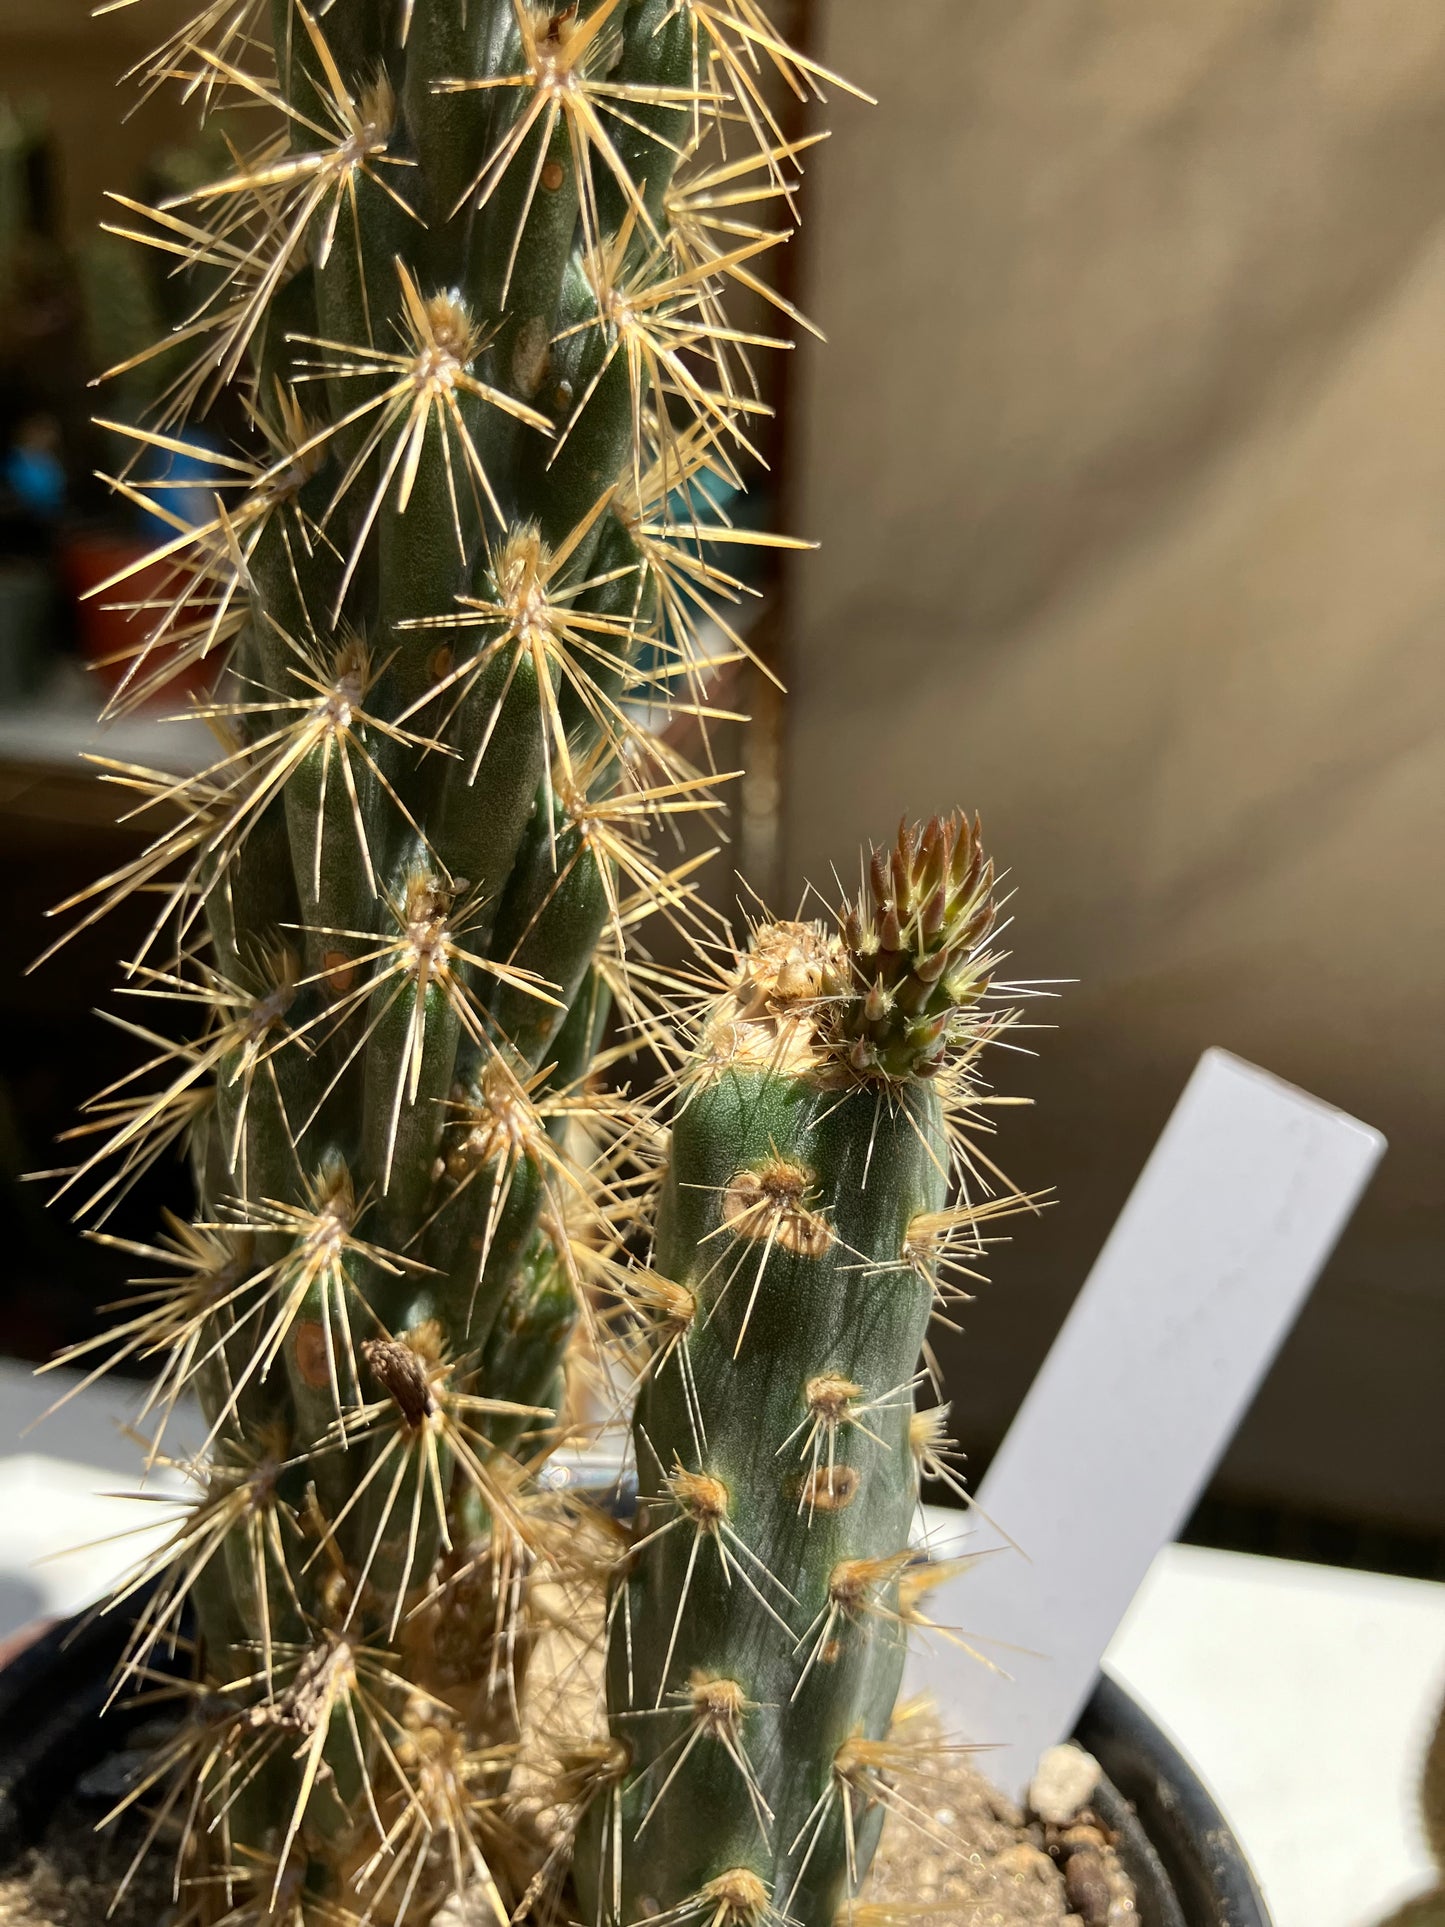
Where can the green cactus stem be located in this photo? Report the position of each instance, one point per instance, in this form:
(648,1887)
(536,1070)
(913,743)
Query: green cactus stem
(759,1629)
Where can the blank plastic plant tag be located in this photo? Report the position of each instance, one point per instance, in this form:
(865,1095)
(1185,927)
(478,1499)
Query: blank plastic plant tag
(1201,1278)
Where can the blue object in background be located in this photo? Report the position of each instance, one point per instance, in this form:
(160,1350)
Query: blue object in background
(183,485)
(35,476)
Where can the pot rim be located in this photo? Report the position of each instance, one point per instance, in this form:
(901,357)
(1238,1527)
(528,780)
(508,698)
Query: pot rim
(1203,1860)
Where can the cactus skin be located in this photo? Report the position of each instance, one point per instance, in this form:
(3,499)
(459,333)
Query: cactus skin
(759,1634)
(846,1313)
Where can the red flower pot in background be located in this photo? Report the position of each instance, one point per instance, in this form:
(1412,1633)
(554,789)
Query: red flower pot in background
(114,624)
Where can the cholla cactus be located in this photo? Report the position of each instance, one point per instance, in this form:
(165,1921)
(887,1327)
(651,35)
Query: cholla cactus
(759,1626)
(472,287)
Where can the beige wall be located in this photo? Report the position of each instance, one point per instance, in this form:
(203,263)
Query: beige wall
(1127,454)
(52,51)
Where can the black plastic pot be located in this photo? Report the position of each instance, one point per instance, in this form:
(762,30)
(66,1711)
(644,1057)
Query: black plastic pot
(1185,1862)
(1198,1876)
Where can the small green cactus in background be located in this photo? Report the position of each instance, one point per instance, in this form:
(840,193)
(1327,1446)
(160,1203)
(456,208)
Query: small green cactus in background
(466,574)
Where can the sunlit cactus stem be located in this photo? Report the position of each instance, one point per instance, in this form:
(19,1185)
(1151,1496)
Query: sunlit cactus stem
(759,1630)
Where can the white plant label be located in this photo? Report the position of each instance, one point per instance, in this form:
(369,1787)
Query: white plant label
(1204,1273)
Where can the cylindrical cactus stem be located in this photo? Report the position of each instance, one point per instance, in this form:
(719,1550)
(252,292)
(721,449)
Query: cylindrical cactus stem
(461,307)
(762,1631)
(574,1048)
(497,1161)
(449,136)
(555,909)
(782,1523)
(530,1336)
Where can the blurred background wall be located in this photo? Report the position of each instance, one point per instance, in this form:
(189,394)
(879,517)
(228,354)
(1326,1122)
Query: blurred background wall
(1127,455)
(55,56)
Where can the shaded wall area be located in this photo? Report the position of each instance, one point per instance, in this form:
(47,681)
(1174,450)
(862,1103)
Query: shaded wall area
(57,55)
(1127,455)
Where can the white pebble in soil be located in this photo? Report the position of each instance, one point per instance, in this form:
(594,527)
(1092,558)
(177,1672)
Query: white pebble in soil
(1064,1784)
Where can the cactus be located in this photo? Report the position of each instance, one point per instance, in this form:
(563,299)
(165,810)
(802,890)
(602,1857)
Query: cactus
(758,1630)
(473,286)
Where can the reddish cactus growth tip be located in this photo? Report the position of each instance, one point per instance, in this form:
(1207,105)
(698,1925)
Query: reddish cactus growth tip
(917,941)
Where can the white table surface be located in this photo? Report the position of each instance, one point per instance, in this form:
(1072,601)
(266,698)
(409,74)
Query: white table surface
(1304,1695)
(60,724)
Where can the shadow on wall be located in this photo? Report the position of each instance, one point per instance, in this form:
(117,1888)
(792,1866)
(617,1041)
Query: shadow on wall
(1130,499)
